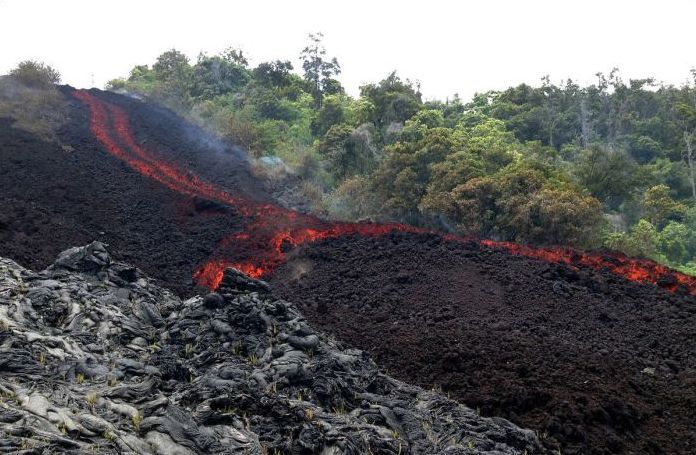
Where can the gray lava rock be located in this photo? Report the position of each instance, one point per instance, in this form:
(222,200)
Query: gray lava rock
(97,359)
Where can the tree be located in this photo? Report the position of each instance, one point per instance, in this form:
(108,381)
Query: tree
(235,55)
(659,205)
(173,70)
(318,72)
(35,74)
(394,100)
(347,151)
(273,74)
(687,113)
(674,242)
(472,206)
(608,173)
(641,241)
(331,113)
(215,76)
(171,65)
(558,217)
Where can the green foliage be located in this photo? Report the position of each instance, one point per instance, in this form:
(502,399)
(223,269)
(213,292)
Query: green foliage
(331,113)
(555,216)
(32,101)
(608,174)
(536,164)
(35,74)
(642,241)
(674,242)
(347,150)
(393,99)
(116,84)
(273,74)
(215,76)
(660,207)
(172,66)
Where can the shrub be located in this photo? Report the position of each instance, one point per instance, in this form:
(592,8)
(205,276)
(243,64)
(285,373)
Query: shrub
(37,110)
(35,74)
(116,84)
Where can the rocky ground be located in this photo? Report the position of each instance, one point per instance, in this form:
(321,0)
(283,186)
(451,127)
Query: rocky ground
(97,359)
(595,363)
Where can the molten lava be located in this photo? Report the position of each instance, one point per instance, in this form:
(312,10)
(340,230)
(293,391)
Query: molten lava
(271,230)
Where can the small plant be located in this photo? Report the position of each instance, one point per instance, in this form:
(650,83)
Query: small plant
(42,358)
(109,436)
(237,348)
(340,410)
(10,395)
(273,388)
(470,444)
(253,360)
(137,419)
(63,427)
(92,399)
(80,378)
(309,414)
(189,349)
(395,434)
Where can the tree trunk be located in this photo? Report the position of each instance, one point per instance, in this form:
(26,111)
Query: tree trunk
(688,136)
(585,123)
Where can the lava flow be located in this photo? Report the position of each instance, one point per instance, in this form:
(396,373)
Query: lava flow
(271,230)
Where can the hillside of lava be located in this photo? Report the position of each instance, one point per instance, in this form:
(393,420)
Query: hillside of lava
(593,349)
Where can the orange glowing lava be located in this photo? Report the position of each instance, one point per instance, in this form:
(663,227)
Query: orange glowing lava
(271,230)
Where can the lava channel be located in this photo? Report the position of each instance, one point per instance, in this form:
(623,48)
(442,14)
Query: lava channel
(271,231)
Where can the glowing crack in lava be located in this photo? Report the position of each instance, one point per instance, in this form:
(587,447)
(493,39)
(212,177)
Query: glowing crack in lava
(270,230)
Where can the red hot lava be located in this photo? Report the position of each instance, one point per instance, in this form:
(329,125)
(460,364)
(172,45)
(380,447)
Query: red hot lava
(272,230)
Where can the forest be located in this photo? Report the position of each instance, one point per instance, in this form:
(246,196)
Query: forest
(604,166)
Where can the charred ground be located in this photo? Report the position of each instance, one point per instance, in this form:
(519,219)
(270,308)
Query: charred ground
(57,196)
(595,362)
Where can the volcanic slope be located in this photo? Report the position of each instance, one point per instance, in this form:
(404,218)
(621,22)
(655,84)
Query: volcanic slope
(597,363)
(54,196)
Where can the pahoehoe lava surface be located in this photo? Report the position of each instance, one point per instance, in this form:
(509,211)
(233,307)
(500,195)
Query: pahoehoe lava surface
(600,364)
(95,358)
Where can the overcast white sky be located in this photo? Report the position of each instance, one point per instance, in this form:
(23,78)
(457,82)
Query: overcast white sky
(449,46)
